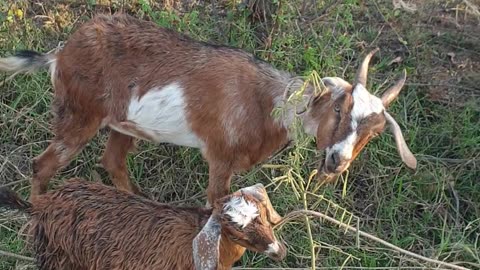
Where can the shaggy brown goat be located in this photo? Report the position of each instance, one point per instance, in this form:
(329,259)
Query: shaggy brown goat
(148,82)
(84,225)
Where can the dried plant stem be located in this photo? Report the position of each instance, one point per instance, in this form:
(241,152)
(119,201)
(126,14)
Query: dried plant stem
(342,268)
(310,235)
(16,256)
(307,219)
(299,213)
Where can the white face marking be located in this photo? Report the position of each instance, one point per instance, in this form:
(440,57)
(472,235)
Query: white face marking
(241,212)
(160,113)
(364,104)
(273,248)
(345,147)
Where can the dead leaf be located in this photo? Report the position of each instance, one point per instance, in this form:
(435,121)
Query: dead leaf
(452,57)
(395,61)
(399,4)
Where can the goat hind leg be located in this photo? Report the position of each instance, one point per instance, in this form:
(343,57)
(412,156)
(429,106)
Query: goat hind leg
(64,147)
(46,165)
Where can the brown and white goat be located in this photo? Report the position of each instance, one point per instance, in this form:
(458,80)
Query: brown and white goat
(84,225)
(148,82)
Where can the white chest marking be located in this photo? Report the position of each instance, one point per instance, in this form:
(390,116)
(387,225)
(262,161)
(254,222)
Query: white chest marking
(160,113)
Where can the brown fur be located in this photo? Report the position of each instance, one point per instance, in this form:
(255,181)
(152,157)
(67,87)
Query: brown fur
(112,56)
(120,53)
(84,225)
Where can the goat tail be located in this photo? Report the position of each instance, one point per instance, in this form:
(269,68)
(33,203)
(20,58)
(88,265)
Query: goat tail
(26,62)
(10,200)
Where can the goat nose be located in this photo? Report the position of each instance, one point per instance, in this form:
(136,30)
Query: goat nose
(276,251)
(283,252)
(335,159)
(332,162)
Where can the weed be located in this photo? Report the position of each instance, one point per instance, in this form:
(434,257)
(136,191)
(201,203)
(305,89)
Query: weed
(434,211)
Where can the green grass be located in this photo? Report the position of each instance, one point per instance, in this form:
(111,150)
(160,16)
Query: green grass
(434,211)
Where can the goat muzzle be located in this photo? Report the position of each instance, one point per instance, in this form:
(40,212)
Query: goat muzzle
(324,177)
(276,251)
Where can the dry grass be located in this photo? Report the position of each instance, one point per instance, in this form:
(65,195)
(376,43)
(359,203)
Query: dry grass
(434,212)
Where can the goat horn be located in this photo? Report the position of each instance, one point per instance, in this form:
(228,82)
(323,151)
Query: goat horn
(259,192)
(363,69)
(392,93)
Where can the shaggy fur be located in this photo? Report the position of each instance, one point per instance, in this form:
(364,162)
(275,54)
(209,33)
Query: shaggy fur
(85,225)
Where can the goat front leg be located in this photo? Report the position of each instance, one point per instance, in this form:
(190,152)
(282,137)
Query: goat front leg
(114,161)
(219,179)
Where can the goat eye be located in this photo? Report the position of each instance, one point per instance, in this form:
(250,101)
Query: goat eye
(337,108)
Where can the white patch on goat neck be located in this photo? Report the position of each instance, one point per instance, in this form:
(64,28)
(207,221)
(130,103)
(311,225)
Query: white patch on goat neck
(160,113)
(273,248)
(241,212)
(364,104)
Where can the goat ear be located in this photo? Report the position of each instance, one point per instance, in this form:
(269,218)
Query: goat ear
(336,84)
(407,157)
(259,192)
(335,87)
(206,245)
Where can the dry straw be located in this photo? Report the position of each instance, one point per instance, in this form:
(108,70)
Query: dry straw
(293,177)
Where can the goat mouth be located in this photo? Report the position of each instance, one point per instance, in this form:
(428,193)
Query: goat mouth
(279,256)
(323,176)
(276,258)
